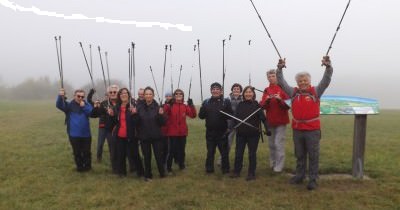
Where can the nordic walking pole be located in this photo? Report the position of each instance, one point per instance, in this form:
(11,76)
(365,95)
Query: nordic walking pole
(133,70)
(130,71)
(191,74)
(165,63)
(59,65)
(104,76)
(155,84)
(269,35)
(223,66)
(91,60)
(87,65)
(108,70)
(180,72)
(170,60)
(201,80)
(337,29)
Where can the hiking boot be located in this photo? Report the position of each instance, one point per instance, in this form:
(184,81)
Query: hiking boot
(312,184)
(234,175)
(296,180)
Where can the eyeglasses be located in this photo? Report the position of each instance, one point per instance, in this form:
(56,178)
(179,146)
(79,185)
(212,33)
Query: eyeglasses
(112,92)
(79,96)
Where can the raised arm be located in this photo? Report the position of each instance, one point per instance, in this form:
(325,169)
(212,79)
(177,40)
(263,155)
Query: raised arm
(326,78)
(281,80)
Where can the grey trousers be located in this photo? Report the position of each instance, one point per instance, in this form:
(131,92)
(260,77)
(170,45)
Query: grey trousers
(276,144)
(306,143)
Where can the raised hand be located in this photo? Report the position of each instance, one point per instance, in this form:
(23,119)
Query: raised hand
(281,63)
(326,61)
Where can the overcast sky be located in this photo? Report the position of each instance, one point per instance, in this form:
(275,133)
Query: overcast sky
(365,53)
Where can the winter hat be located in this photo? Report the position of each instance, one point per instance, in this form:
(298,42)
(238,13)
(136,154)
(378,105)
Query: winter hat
(168,93)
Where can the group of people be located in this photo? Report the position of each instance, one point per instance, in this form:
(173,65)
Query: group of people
(129,123)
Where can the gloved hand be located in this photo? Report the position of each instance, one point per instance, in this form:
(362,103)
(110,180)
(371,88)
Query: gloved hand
(92,91)
(190,102)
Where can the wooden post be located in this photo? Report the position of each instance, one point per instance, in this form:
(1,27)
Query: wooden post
(360,129)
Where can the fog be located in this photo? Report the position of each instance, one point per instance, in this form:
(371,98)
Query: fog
(364,54)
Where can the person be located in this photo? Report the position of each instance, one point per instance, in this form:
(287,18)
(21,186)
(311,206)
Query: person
(124,133)
(273,101)
(177,127)
(216,127)
(305,101)
(149,118)
(105,125)
(140,98)
(248,134)
(164,130)
(235,97)
(77,114)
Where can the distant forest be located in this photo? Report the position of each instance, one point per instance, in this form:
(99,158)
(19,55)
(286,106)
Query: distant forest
(43,88)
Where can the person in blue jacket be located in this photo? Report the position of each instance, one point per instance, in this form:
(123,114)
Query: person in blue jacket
(77,114)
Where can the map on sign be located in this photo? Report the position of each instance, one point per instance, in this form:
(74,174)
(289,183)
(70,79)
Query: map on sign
(346,105)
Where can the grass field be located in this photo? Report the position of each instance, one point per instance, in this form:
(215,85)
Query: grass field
(37,170)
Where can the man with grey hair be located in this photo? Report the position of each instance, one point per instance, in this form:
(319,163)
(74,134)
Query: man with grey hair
(273,101)
(306,122)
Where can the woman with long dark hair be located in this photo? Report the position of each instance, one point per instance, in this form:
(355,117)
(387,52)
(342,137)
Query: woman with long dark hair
(149,119)
(124,133)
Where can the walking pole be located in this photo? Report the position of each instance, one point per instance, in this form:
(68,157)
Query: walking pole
(130,74)
(133,70)
(223,67)
(87,65)
(165,62)
(191,74)
(201,80)
(180,72)
(104,76)
(170,61)
(249,56)
(59,64)
(269,35)
(108,69)
(91,60)
(337,29)
(155,84)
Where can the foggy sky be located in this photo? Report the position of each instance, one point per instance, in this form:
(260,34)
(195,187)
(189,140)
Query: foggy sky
(365,53)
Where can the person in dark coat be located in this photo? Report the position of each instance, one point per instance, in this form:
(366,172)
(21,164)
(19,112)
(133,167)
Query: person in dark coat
(124,133)
(77,114)
(149,118)
(246,134)
(216,127)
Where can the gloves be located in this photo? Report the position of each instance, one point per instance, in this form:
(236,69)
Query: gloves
(92,91)
(190,102)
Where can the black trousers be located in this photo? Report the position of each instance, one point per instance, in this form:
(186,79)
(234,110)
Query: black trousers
(177,151)
(127,149)
(165,150)
(146,145)
(81,152)
(111,140)
(252,144)
(222,144)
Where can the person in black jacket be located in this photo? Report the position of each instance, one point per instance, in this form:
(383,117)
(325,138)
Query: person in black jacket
(124,133)
(105,124)
(247,134)
(216,127)
(149,118)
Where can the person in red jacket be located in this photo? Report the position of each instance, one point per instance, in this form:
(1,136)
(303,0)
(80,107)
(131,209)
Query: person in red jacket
(166,145)
(306,122)
(273,101)
(177,127)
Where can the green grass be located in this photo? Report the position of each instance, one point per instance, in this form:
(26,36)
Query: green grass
(37,170)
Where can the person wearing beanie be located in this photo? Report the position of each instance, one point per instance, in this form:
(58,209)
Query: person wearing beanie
(166,145)
(216,127)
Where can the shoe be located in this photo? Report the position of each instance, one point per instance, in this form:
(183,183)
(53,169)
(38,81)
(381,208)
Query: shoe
(312,185)
(182,166)
(234,175)
(210,171)
(296,180)
(250,177)
(225,171)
